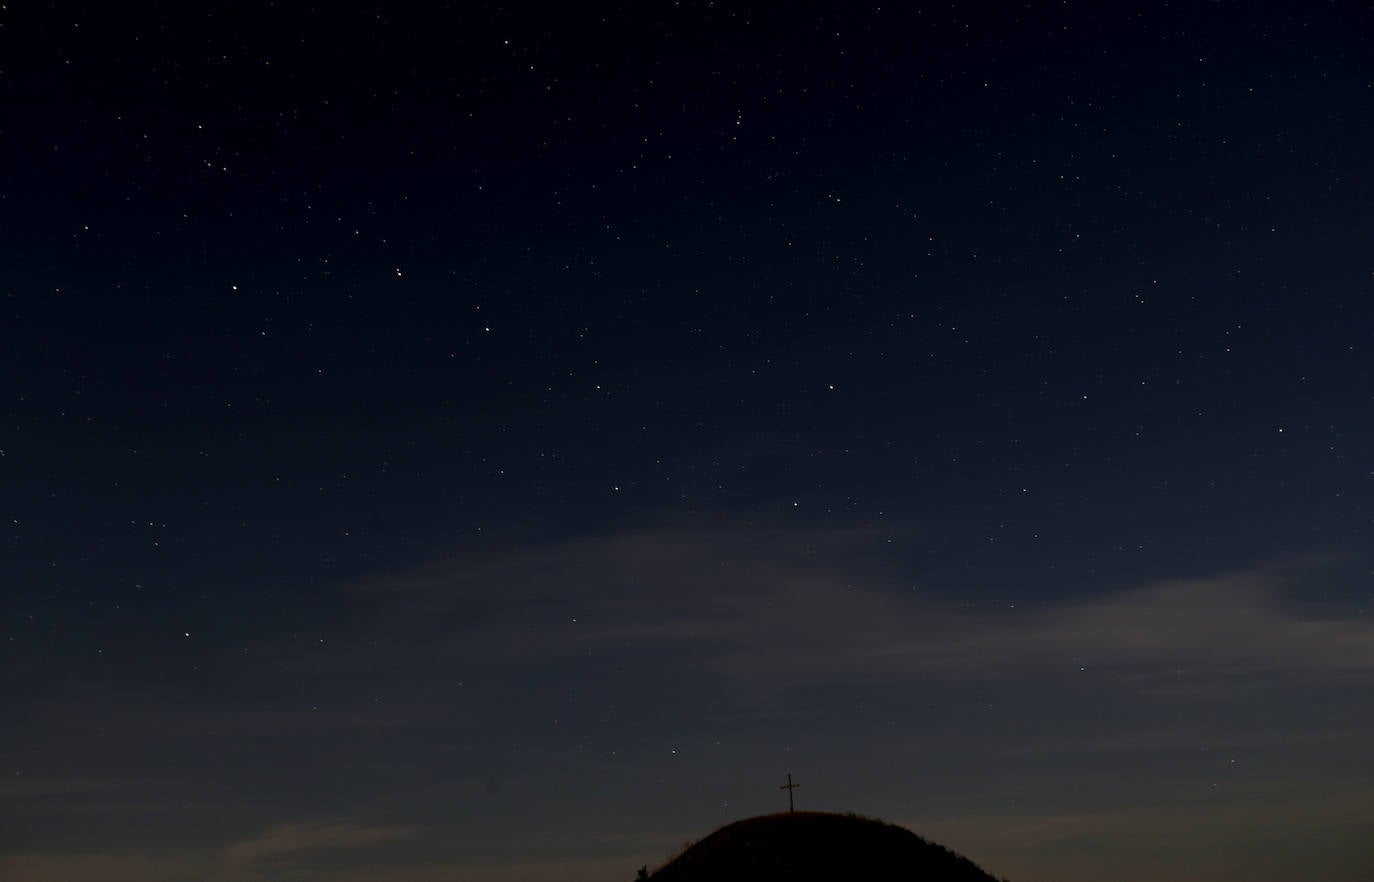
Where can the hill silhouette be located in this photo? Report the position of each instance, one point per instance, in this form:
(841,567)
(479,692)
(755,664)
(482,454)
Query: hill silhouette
(817,847)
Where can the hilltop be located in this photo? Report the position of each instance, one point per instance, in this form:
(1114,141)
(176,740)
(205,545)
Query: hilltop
(816,847)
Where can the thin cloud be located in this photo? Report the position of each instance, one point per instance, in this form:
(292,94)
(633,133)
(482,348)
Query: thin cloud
(96,868)
(125,868)
(1235,623)
(1162,841)
(288,839)
(814,602)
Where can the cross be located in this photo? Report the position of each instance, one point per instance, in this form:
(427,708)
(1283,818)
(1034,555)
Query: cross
(789,787)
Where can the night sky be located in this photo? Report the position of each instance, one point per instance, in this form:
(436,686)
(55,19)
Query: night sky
(500,442)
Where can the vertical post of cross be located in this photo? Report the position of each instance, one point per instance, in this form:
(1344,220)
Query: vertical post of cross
(789,787)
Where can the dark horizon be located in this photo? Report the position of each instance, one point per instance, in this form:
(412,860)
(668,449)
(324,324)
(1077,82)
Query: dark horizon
(814,847)
(474,440)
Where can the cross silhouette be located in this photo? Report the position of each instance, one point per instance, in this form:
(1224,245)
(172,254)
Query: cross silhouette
(789,787)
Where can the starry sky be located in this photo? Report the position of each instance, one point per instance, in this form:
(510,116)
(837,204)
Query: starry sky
(498,442)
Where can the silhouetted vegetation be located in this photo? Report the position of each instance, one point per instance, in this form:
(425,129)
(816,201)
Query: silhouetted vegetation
(816,847)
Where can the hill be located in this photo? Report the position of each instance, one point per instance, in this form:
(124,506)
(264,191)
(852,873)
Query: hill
(816,847)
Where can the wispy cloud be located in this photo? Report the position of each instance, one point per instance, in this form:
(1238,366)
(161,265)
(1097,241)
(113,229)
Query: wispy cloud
(1235,622)
(18,788)
(97,868)
(1147,843)
(568,870)
(708,610)
(1172,822)
(124,868)
(773,602)
(289,839)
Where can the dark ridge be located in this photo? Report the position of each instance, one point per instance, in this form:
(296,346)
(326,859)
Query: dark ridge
(816,846)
